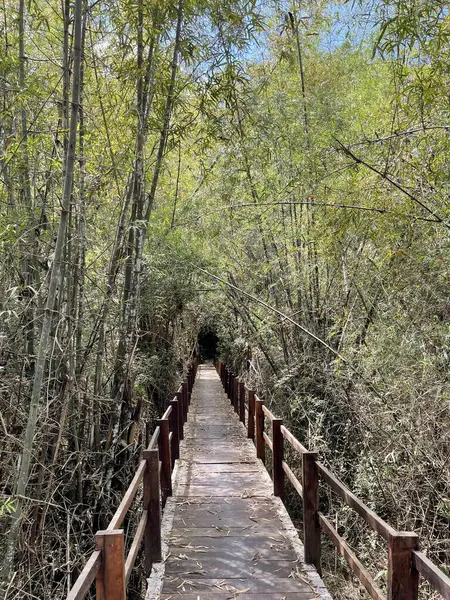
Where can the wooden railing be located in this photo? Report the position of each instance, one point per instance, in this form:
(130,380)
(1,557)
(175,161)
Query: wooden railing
(404,562)
(108,566)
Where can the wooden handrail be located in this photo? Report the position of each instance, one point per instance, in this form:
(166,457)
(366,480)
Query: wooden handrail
(109,557)
(356,566)
(87,577)
(405,562)
(433,574)
(267,441)
(268,413)
(293,440)
(166,415)
(369,516)
(136,545)
(293,479)
(154,439)
(128,498)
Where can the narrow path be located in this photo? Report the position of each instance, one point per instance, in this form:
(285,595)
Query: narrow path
(225,534)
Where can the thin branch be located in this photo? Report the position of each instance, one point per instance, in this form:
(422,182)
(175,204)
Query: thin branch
(307,203)
(360,161)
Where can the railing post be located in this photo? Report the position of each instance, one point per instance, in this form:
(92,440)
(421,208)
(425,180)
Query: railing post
(189,381)
(185,401)
(164,453)
(152,503)
(175,428)
(236,395)
(403,579)
(251,415)
(311,524)
(110,580)
(277,458)
(259,418)
(179,396)
(242,402)
(230,386)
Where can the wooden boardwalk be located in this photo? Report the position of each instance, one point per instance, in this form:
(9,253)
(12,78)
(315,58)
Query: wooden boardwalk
(224,533)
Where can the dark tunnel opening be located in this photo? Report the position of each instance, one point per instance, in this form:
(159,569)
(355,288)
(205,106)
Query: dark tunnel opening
(207,342)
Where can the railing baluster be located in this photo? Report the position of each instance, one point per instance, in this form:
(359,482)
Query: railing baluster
(189,382)
(236,395)
(152,503)
(242,402)
(110,579)
(175,428)
(251,415)
(403,579)
(179,396)
(259,419)
(277,458)
(164,453)
(185,401)
(311,523)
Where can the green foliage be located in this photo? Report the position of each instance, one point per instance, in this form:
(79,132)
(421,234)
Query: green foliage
(7,506)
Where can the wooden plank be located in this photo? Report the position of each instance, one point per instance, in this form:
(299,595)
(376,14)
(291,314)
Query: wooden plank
(208,457)
(267,584)
(231,512)
(220,565)
(355,565)
(234,492)
(127,500)
(238,558)
(429,571)
(257,582)
(201,594)
(349,497)
(86,577)
(219,529)
(224,467)
(220,478)
(135,546)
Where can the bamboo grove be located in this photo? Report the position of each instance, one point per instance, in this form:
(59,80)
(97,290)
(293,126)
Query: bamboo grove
(276,173)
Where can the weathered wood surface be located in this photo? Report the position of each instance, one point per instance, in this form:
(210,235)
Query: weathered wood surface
(227,538)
